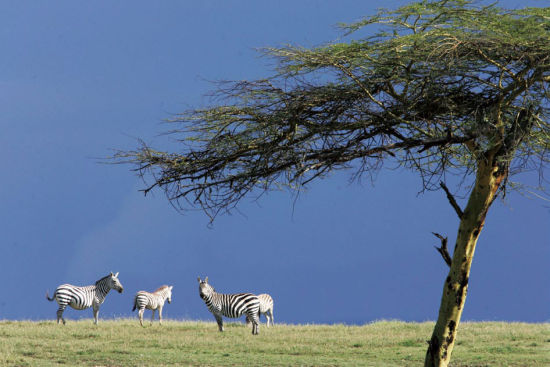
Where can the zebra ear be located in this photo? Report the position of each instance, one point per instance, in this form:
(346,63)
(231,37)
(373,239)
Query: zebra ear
(116,275)
(199,279)
(206,280)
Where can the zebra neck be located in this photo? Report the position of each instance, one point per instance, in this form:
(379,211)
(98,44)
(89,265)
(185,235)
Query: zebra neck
(161,294)
(102,289)
(208,299)
(212,299)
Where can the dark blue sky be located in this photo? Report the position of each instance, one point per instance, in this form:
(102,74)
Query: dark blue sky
(78,79)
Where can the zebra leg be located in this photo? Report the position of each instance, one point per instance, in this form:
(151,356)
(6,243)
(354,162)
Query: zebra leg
(140,314)
(152,316)
(96,313)
(254,317)
(269,317)
(255,327)
(247,320)
(60,313)
(160,315)
(219,320)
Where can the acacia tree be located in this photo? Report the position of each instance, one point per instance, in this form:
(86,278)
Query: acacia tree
(440,87)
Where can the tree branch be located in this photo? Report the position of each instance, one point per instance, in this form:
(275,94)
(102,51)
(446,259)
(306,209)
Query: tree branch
(444,99)
(443,249)
(452,200)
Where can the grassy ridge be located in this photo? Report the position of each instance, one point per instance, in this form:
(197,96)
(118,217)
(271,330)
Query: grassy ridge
(125,343)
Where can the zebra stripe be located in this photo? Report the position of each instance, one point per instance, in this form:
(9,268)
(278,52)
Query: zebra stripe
(230,305)
(266,308)
(152,301)
(81,298)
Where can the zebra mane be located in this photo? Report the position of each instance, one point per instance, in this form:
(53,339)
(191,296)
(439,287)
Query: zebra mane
(160,288)
(102,279)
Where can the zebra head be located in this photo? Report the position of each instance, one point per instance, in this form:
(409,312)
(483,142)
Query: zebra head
(205,289)
(114,283)
(169,294)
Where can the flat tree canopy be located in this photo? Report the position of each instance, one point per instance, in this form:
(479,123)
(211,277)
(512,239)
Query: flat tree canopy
(437,87)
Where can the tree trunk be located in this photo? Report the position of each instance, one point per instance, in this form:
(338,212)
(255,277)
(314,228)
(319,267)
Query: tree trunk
(489,176)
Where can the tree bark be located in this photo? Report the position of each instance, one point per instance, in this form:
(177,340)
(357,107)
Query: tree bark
(489,177)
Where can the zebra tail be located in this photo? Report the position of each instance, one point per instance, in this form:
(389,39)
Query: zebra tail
(48,297)
(135,304)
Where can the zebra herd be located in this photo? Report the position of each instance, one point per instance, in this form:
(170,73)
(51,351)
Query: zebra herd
(219,304)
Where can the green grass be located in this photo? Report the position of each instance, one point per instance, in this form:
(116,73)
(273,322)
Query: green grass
(186,343)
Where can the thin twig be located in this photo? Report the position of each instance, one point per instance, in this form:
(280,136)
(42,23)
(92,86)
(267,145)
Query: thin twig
(452,200)
(443,249)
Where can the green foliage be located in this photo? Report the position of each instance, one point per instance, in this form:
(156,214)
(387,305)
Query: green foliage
(125,343)
(434,87)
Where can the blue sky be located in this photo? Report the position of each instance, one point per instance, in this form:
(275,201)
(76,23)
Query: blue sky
(79,79)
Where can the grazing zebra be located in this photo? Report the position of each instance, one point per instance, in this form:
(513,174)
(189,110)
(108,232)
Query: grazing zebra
(152,301)
(81,298)
(230,305)
(266,308)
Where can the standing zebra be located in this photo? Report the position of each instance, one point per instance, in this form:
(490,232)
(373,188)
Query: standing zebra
(81,298)
(152,301)
(266,308)
(230,305)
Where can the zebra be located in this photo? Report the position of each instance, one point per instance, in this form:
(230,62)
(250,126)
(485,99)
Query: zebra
(81,298)
(266,308)
(230,305)
(152,301)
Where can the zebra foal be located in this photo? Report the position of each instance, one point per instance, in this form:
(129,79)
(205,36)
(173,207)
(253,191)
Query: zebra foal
(81,298)
(230,305)
(266,308)
(152,301)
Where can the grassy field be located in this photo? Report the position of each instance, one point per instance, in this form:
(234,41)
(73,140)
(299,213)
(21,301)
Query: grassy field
(186,343)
